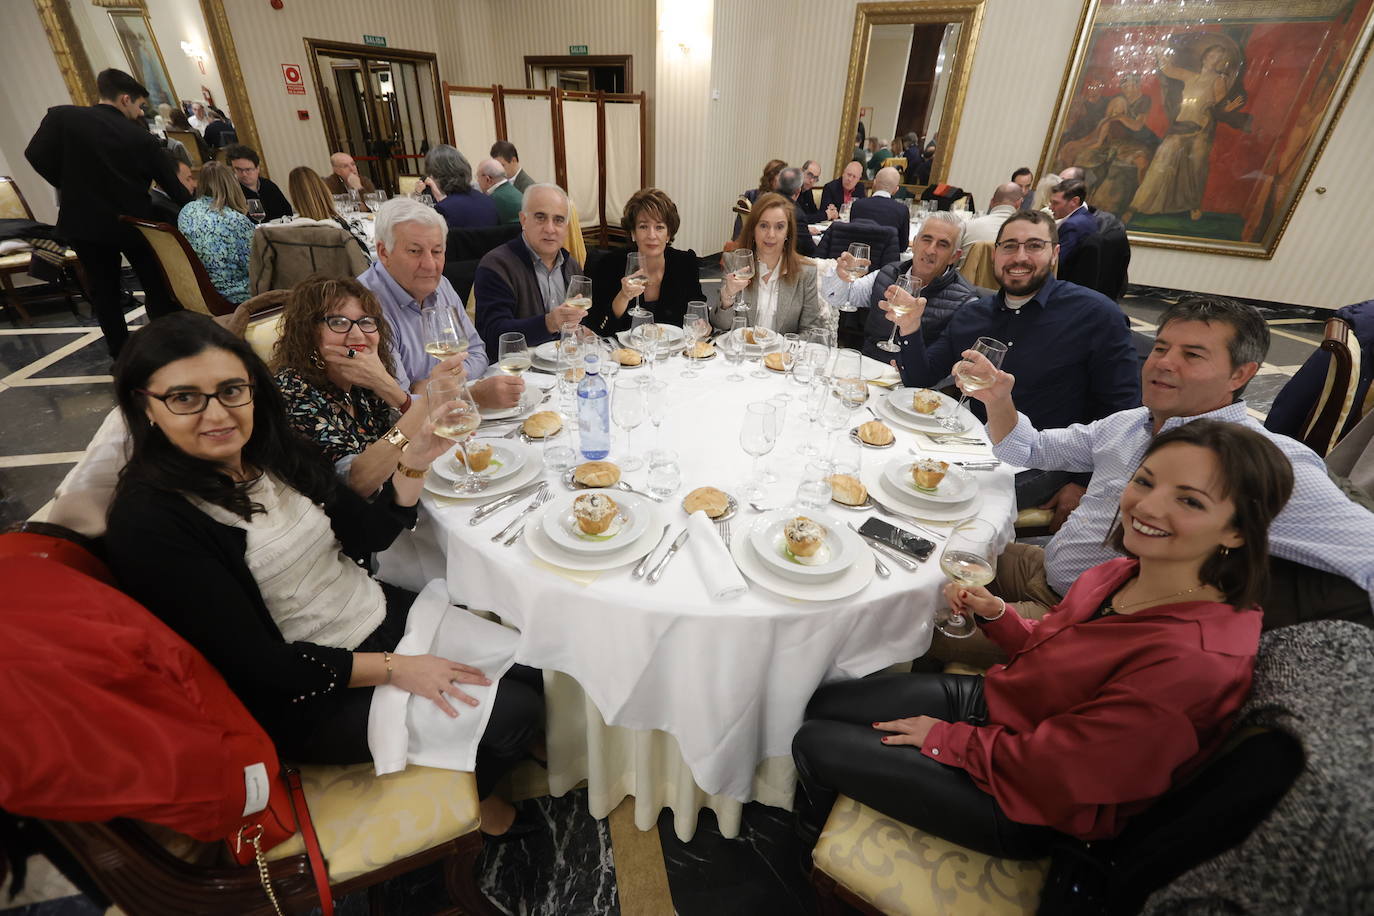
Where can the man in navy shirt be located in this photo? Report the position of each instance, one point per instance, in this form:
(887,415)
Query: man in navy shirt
(1069,347)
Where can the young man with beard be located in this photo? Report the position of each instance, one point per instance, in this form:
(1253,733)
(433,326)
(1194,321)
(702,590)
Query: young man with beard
(1070,346)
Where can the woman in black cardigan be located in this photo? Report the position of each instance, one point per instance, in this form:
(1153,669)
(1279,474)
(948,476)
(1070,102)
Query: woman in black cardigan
(670,277)
(240,537)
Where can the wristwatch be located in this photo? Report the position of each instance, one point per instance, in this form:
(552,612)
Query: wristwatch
(396,437)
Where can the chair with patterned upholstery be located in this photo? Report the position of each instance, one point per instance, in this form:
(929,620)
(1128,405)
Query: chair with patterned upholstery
(407,184)
(371,828)
(14,206)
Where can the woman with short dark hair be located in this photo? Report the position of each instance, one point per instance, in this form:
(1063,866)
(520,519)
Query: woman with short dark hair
(1121,692)
(670,276)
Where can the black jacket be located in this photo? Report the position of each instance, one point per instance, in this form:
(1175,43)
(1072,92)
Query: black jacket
(274,202)
(944,296)
(885,212)
(189,570)
(833,193)
(102,164)
(883,247)
(681,285)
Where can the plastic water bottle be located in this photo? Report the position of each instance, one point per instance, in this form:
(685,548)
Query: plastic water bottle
(594,412)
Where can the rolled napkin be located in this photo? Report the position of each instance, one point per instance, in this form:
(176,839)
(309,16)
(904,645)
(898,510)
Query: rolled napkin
(717,568)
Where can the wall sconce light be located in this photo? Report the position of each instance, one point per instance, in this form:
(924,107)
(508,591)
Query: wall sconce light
(195,52)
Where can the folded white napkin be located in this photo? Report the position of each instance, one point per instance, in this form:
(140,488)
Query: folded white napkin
(403,728)
(718,571)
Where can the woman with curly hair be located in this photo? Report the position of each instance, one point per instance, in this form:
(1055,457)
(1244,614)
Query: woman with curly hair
(333,367)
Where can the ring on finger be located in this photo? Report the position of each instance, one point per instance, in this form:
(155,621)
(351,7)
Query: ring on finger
(352,353)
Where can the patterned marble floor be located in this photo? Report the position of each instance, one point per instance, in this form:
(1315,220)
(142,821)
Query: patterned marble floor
(54,391)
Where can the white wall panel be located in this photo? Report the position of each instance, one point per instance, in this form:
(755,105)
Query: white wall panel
(579,136)
(28,68)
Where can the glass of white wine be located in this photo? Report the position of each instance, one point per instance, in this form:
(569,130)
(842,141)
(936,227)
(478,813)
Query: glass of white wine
(859,252)
(579,294)
(513,358)
(970,380)
(634,272)
(443,329)
(740,264)
(908,283)
(455,416)
(968,559)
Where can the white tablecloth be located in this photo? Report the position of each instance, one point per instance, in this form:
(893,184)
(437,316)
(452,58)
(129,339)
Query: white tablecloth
(727,681)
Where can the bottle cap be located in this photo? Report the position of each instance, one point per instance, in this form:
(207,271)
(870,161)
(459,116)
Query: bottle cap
(593,363)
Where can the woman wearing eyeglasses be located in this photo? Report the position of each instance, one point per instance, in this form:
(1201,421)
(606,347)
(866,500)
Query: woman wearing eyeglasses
(239,535)
(334,369)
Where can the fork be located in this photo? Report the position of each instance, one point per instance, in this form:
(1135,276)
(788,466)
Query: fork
(947,438)
(723,529)
(515,535)
(540,496)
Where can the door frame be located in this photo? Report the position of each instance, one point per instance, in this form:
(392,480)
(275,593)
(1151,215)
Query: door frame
(625,61)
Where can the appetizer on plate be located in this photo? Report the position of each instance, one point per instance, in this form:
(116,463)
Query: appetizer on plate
(804,537)
(594,512)
(927,473)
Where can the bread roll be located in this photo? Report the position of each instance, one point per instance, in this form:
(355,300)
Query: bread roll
(597,474)
(627,357)
(701,350)
(846,489)
(875,432)
(708,499)
(777,361)
(542,424)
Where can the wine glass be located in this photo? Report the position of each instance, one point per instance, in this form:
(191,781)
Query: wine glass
(740,263)
(634,270)
(849,378)
(255,211)
(820,346)
(696,327)
(443,330)
(579,294)
(907,283)
(969,560)
(765,342)
(513,358)
(995,351)
(426,199)
(644,337)
(656,404)
(455,416)
(817,394)
(757,436)
(833,413)
(732,345)
(858,251)
(627,410)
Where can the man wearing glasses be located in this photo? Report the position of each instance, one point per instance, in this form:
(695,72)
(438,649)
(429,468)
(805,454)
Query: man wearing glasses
(244,161)
(1069,347)
(811,175)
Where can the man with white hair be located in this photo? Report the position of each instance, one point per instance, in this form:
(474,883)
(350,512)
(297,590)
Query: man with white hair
(879,206)
(491,178)
(520,286)
(407,277)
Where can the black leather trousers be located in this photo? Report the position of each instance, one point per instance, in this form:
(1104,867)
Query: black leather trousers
(839,751)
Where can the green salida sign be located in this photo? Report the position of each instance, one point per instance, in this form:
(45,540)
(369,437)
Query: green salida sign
(376,41)
(577,50)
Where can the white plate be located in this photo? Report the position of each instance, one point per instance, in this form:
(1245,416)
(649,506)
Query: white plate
(506,459)
(872,478)
(534,395)
(957,486)
(672,336)
(854,580)
(532,468)
(546,352)
(899,399)
(561,527)
(539,544)
(837,552)
(969,425)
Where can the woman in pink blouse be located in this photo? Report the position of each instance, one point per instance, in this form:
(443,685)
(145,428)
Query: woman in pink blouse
(1120,692)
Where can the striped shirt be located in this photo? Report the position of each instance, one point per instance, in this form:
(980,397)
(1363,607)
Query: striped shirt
(1319,527)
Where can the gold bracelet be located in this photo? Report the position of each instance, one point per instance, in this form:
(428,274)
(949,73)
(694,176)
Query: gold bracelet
(386,659)
(412,473)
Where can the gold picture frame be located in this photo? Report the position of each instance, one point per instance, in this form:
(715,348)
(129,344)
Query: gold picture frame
(134,31)
(1200,122)
(968,14)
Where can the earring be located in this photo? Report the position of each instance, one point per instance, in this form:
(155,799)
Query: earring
(316,361)
(1223,550)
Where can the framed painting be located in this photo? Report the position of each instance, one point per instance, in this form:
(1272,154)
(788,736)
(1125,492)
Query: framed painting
(146,65)
(1198,121)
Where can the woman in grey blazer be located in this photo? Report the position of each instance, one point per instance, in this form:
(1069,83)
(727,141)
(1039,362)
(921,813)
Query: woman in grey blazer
(782,293)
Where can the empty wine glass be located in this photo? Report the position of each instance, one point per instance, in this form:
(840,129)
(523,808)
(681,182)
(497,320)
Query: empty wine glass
(968,559)
(765,342)
(833,414)
(455,416)
(627,410)
(969,380)
(910,284)
(644,337)
(656,404)
(634,271)
(255,211)
(732,345)
(443,330)
(848,379)
(696,327)
(426,199)
(817,394)
(858,251)
(757,436)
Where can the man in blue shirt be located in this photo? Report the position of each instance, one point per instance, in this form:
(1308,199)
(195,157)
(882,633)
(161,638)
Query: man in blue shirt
(1069,347)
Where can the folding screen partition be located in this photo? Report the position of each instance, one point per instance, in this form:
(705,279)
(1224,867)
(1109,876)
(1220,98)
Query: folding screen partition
(589,143)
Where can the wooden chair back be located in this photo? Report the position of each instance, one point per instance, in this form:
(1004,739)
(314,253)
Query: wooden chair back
(1329,414)
(406,184)
(12,202)
(182,268)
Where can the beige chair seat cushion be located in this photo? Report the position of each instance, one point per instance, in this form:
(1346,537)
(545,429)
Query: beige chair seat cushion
(901,870)
(366,822)
(19,261)
(262,335)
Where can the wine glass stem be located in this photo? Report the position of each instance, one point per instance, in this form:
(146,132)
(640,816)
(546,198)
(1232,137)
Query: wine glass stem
(892,338)
(468,475)
(952,421)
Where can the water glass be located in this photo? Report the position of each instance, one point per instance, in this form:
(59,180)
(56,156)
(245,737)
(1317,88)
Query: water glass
(560,452)
(665,473)
(846,457)
(814,492)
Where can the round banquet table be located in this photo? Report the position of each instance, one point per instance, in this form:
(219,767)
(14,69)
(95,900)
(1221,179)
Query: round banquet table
(655,690)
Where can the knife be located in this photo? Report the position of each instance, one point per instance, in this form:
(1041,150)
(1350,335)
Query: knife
(534,504)
(676,546)
(638,572)
(496,505)
(886,550)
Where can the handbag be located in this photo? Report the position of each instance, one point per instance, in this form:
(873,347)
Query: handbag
(286,812)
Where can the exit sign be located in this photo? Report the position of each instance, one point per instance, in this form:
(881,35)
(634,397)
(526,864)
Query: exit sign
(377,41)
(577,50)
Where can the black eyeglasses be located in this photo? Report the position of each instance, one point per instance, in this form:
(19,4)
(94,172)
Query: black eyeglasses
(189,402)
(1032,246)
(341,325)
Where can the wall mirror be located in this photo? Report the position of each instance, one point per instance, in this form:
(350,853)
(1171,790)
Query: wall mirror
(908,73)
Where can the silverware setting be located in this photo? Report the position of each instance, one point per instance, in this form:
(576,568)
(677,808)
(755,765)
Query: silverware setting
(515,535)
(540,497)
(972,464)
(886,550)
(723,529)
(485,510)
(643,565)
(952,438)
(657,571)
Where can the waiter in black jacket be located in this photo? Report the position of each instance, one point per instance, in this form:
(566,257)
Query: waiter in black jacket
(101,159)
